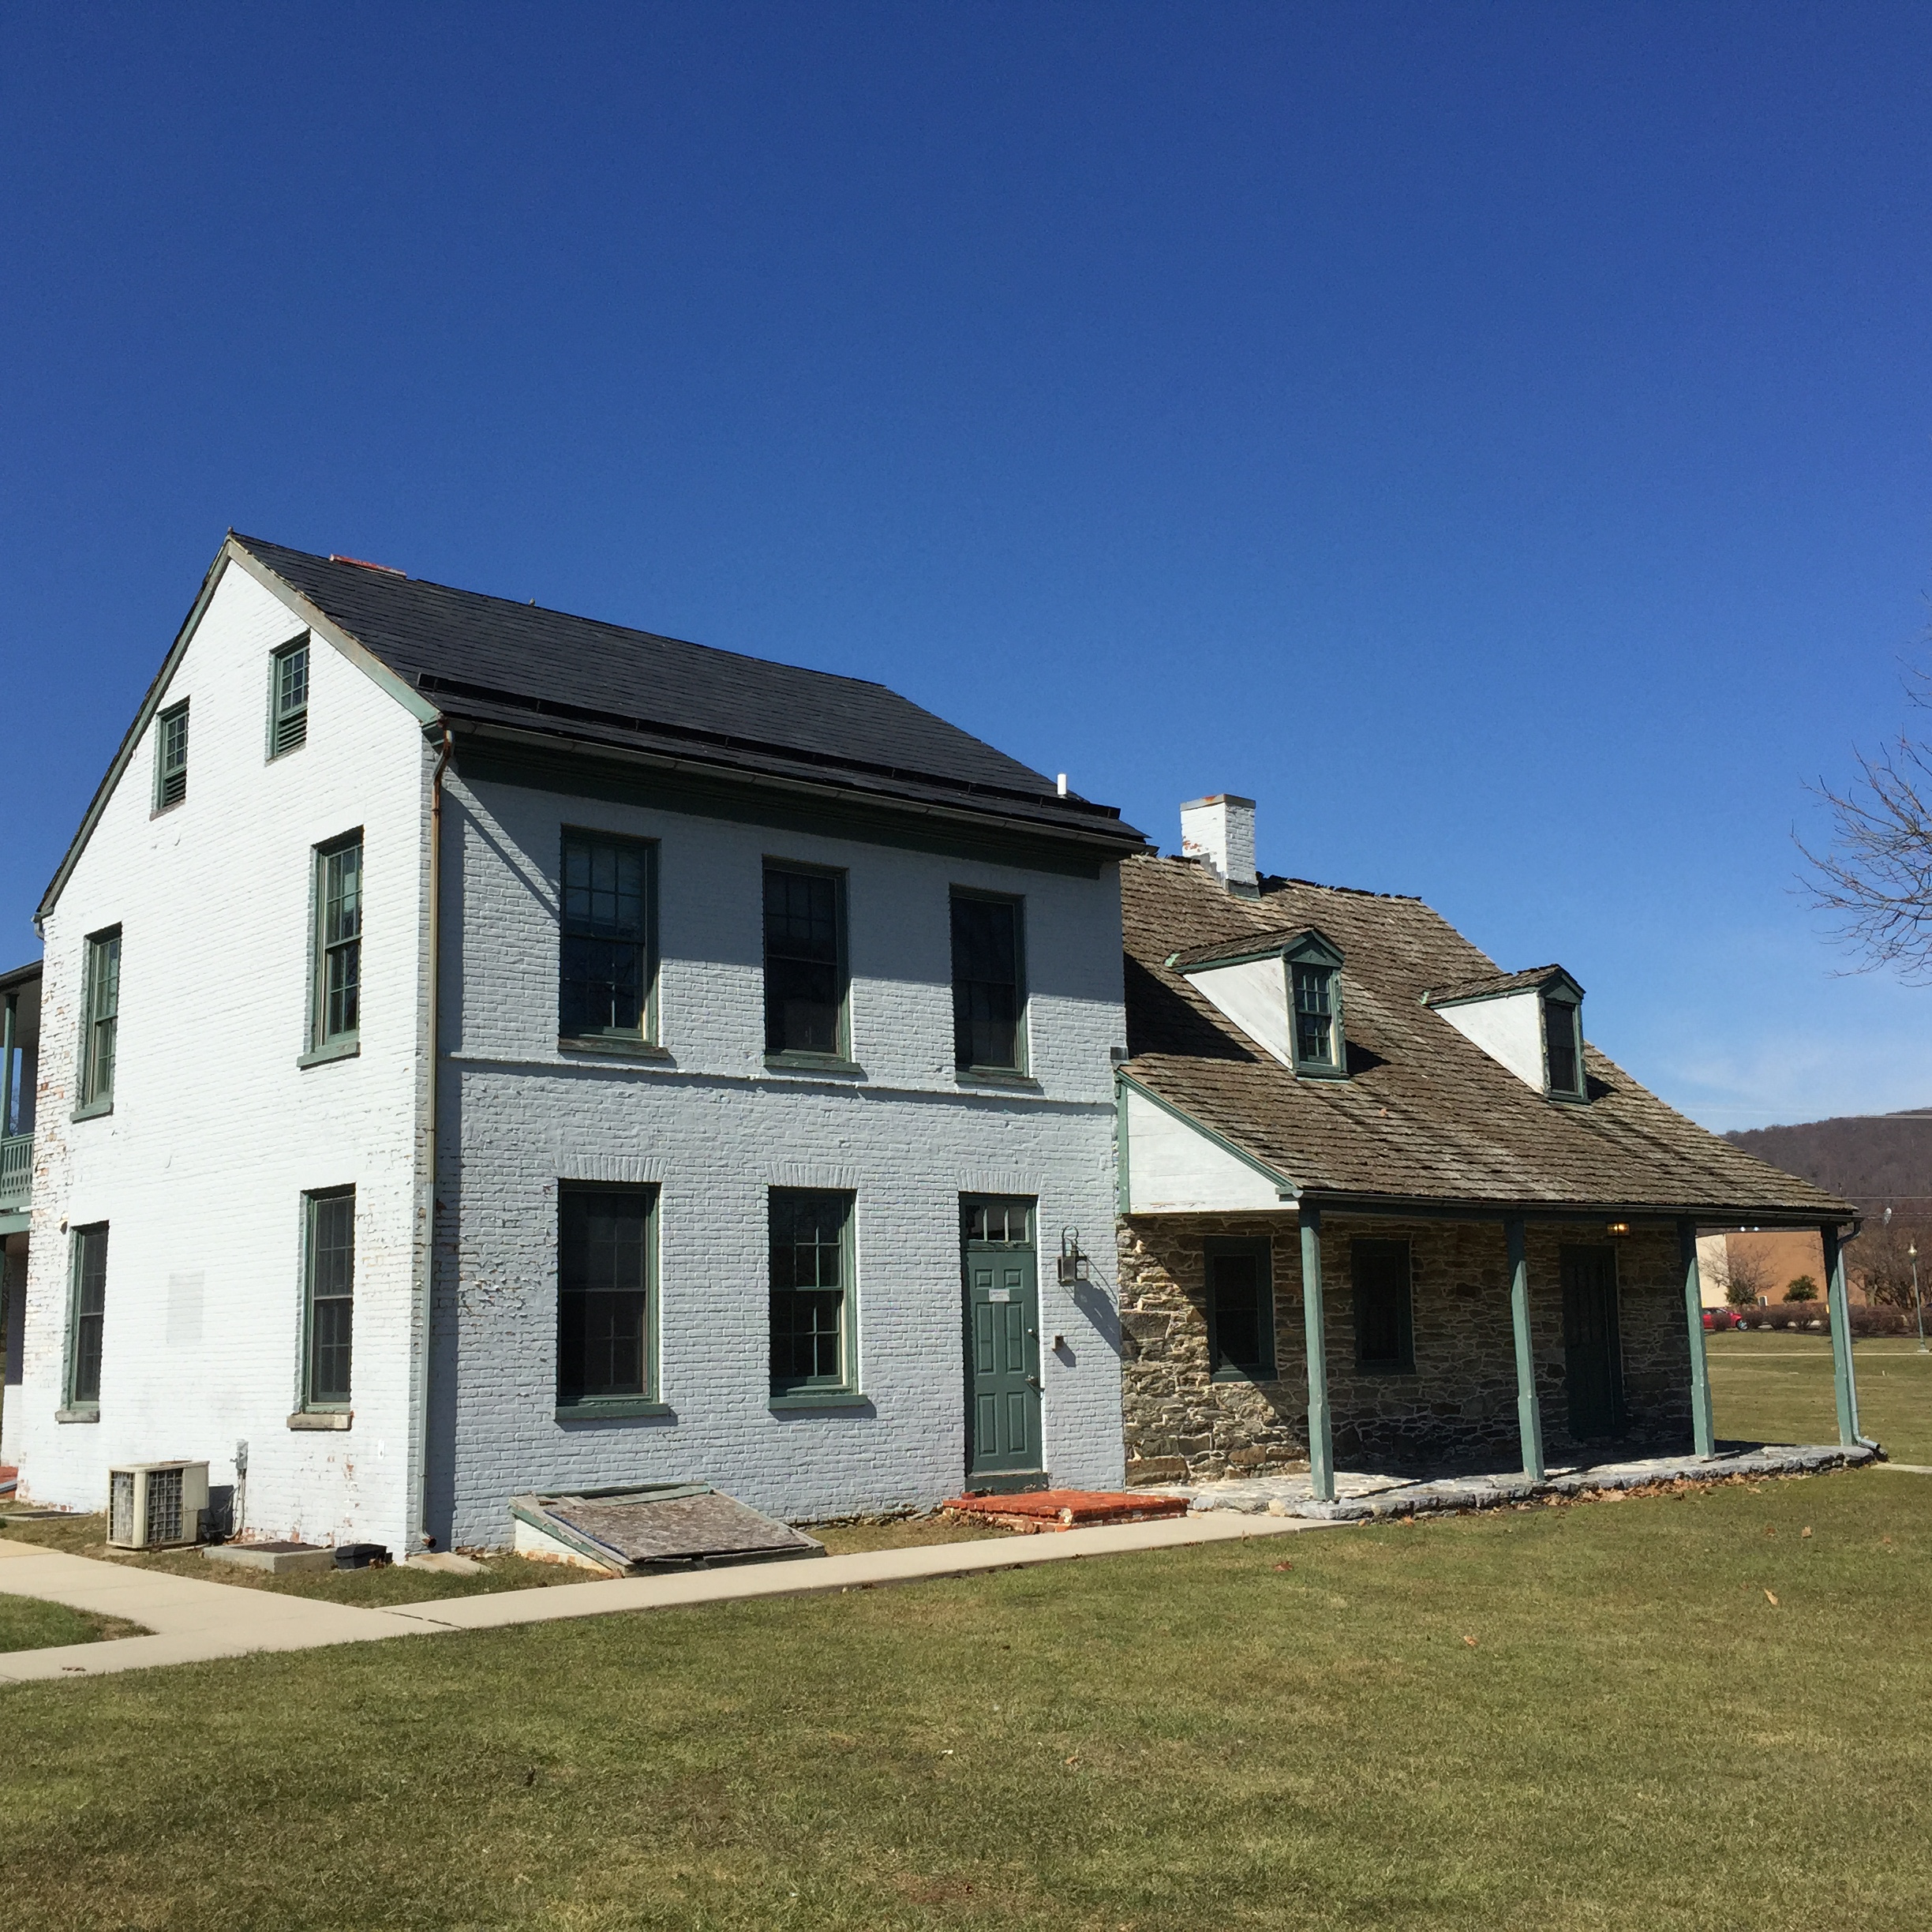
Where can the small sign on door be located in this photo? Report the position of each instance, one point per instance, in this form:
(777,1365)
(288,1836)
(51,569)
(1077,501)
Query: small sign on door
(999,1294)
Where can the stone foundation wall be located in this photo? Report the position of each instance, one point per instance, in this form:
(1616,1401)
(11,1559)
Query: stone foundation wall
(1457,1410)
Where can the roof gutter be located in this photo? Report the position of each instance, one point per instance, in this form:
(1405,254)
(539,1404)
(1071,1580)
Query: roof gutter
(1100,843)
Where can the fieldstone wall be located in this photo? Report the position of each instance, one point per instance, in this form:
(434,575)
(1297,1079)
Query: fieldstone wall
(1456,1411)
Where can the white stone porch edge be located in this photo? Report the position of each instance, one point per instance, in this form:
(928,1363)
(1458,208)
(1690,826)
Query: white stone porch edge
(1368,1498)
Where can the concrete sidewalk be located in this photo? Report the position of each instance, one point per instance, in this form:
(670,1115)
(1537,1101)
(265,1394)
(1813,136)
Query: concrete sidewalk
(194,1621)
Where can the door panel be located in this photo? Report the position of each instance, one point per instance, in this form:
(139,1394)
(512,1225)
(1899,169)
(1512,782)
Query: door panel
(1593,1345)
(1003,1356)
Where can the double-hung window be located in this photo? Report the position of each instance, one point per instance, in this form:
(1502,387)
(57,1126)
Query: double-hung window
(988,984)
(606,973)
(171,756)
(1314,1016)
(328,1292)
(1384,1329)
(1562,1050)
(804,962)
(101,1022)
(607,1244)
(336,994)
(288,698)
(812,1340)
(88,1293)
(1241,1310)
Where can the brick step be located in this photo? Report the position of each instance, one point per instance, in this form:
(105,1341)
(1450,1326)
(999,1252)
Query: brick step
(1034,1510)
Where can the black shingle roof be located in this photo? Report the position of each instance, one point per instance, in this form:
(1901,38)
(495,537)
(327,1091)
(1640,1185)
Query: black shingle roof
(493,660)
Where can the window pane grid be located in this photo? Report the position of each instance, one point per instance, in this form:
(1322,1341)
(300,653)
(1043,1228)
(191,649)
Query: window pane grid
(1382,1315)
(1314,1015)
(90,1312)
(289,726)
(1241,1308)
(332,1297)
(802,992)
(339,1004)
(103,1017)
(1559,1029)
(604,972)
(808,1290)
(985,983)
(604,1264)
(171,763)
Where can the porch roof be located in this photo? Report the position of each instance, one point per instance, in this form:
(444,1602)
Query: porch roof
(1426,1118)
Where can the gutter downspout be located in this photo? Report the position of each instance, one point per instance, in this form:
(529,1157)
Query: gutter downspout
(419,1502)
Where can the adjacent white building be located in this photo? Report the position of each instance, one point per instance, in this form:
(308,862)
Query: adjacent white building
(482,1049)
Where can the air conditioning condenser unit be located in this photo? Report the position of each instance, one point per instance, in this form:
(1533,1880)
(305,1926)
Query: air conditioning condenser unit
(157,1505)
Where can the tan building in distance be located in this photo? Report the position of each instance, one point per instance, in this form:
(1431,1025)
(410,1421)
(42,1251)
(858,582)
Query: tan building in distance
(1771,1259)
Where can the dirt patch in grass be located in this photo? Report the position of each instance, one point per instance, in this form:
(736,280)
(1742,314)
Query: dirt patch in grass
(28,1624)
(393,1583)
(850,1536)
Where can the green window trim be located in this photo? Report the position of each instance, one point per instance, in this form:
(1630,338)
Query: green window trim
(807,974)
(1382,1274)
(336,965)
(288,698)
(1238,1280)
(328,1300)
(86,1321)
(989,1015)
(814,1293)
(607,939)
(171,784)
(100,1023)
(607,1299)
(1562,1047)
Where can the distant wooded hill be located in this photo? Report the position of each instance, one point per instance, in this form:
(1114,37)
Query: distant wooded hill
(1877,1160)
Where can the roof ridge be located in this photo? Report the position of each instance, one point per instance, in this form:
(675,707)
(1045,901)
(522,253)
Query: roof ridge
(551,610)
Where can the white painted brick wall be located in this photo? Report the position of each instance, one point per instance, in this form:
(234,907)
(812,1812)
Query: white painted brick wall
(215,1131)
(717,1130)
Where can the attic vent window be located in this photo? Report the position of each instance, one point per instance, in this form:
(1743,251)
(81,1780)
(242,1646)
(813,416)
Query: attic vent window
(1561,1058)
(171,758)
(288,698)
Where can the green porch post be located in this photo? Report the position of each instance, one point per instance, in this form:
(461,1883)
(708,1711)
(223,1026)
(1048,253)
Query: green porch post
(1528,1410)
(1321,1436)
(1841,1306)
(1701,1430)
(6,1065)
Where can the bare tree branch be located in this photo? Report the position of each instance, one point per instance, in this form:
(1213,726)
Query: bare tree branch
(1875,876)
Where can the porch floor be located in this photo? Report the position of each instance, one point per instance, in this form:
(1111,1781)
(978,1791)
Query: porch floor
(1363,1495)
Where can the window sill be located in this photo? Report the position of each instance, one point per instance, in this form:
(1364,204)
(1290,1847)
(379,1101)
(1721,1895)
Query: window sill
(794,1062)
(161,811)
(321,1418)
(602,1408)
(335,1049)
(995,1077)
(1250,1378)
(83,1412)
(94,1110)
(818,1398)
(1305,1071)
(618,1045)
(1390,1370)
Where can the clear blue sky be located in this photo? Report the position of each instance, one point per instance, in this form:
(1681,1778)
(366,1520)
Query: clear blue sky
(1497,438)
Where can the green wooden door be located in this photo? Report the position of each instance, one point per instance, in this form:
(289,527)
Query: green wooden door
(1593,1348)
(1002,1344)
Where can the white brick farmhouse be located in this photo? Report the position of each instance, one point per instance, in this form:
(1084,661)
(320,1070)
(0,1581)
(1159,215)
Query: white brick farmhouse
(482,1049)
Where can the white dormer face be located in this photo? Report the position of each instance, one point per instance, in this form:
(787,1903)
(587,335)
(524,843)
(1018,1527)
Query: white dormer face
(1286,995)
(1535,1030)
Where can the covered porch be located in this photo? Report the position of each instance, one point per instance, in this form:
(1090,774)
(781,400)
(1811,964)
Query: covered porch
(1332,1347)
(20,1057)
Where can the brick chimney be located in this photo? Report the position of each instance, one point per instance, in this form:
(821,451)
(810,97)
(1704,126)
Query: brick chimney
(1220,832)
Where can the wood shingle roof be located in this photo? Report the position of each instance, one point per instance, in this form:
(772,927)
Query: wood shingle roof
(1426,1115)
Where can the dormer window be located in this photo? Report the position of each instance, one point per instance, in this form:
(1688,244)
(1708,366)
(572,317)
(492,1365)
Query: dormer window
(1530,1022)
(1283,990)
(1563,1056)
(1314,1014)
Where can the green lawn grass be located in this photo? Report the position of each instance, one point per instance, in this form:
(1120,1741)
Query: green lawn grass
(1583,1717)
(1775,1387)
(27,1624)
